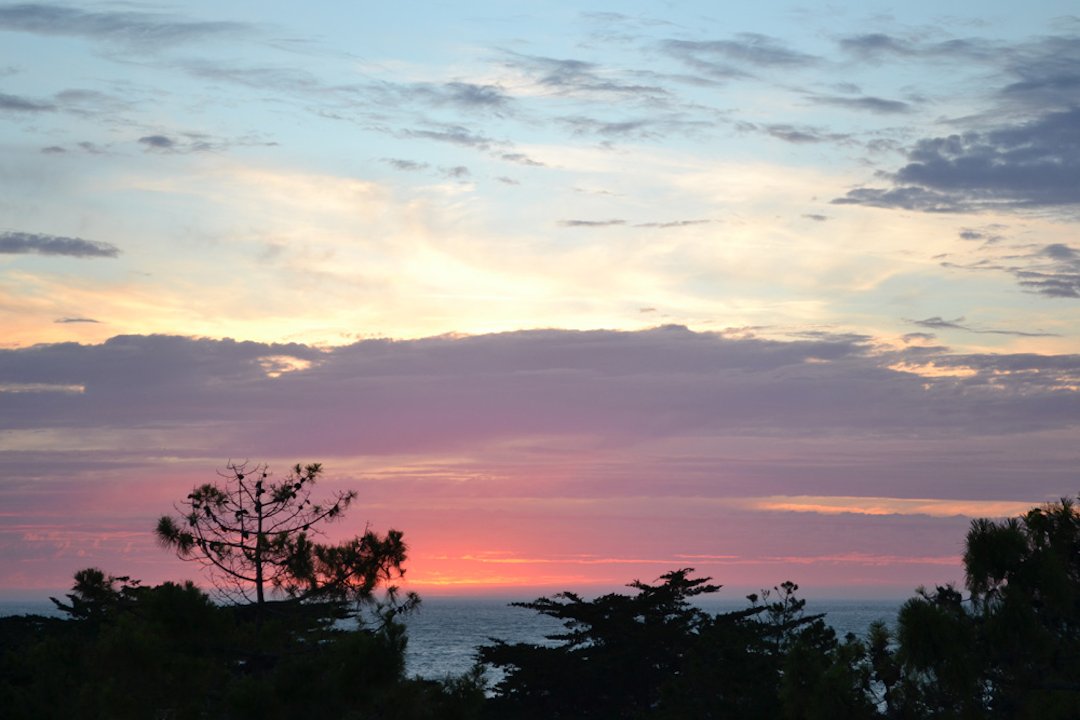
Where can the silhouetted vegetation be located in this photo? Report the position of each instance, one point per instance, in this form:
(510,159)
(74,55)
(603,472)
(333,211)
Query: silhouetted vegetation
(252,534)
(1007,645)
(1010,648)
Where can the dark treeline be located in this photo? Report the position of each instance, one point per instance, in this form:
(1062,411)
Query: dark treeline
(1005,645)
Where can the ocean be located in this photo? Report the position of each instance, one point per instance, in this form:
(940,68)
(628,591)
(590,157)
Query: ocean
(445,632)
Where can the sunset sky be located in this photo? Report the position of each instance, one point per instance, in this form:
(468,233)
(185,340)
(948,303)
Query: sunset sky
(571,293)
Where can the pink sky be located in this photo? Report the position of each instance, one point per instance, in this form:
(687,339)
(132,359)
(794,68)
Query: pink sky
(546,459)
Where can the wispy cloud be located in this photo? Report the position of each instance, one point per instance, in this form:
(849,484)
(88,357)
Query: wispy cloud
(15,103)
(143,30)
(76,320)
(881,106)
(591,223)
(22,243)
(938,323)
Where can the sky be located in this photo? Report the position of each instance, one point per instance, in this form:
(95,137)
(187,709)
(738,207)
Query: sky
(571,293)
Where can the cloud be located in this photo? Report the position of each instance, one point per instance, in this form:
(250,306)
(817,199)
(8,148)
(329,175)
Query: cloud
(672,224)
(406,165)
(989,235)
(158,142)
(1050,270)
(1054,272)
(880,106)
(191,142)
(591,223)
(520,159)
(876,47)
(571,77)
(599,429)
(446,391)
(68,320)
(938,323)
(1045,74)
(816,217)
(797,135)
(462,95)
(453,134)
(457,171)
(21,243)
(721,58)
(14,103)
(1033,164)
(143,30)
(654,126)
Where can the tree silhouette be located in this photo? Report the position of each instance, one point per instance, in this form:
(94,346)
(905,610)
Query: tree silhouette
(1011,648)
(254,534)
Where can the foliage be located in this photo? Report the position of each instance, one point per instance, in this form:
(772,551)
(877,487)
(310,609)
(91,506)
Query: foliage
(1011,649)
(254,534)
(654,654)
(168,651)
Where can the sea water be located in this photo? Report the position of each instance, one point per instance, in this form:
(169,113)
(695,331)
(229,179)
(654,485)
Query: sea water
(445,632)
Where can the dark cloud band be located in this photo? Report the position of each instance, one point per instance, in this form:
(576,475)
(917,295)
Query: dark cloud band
(21,243)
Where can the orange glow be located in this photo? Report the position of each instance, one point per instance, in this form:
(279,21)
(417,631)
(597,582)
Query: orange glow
(888,506)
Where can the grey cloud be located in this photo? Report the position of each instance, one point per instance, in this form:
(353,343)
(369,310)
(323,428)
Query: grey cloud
(1051,270)
(874,45)
(642,128)
(1035,164)
(880,106)
(746,48)
(938,323)
(470,95)
(145,30)
(1046,74)
(76,320)
(672,224)
(1054,272)
(284,79)
(158,142)
(906,198)
(406,165)
(457,171)
(989,235)
(448,392)
(453,134)
(879,46)
(567,76)
(14,103)
(581,125)
(797,135)
(192,143)
(85,146)
(591,223)
(507,180)
(22,243)
(462,95)
(815,217)
(520,159)
(918,336)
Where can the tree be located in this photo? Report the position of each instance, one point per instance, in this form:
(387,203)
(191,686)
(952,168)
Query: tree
(254,534)
(1010,648)
(615,655)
